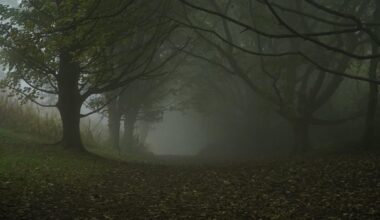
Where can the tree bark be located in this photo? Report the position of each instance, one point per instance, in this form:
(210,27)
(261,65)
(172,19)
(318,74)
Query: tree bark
(70,117)
(69,101)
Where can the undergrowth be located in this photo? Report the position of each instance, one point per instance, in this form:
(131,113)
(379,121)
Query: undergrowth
(43,124)
(28,119)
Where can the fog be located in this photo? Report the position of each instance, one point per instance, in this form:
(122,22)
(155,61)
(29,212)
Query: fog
(229,88)
(189,109)
(178,133)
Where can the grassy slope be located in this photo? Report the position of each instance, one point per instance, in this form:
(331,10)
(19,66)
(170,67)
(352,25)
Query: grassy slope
(41,182)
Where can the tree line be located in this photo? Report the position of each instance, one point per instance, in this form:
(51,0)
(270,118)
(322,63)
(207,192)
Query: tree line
(235,58)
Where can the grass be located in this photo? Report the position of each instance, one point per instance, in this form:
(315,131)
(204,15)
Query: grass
(28,119)
(30,171)
(45,182)
(24,158)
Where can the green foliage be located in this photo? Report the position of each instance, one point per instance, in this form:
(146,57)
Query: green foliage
(94,33)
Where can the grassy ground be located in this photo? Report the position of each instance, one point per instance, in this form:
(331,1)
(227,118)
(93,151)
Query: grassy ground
(42,182)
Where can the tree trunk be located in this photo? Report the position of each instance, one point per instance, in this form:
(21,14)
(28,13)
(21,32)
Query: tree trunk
(114,117)
(143,131)
(69,101)
(370,122)
(301,136)
(129,127)
(369,133)
(70,117)
(114,130)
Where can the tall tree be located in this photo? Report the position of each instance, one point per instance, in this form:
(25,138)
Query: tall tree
(67,48)
(297,88)
(373,96)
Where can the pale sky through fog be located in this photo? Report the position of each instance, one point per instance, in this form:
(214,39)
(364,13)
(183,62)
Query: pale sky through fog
(10,2)
(178,133)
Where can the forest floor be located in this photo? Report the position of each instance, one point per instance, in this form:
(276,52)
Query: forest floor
(41,182)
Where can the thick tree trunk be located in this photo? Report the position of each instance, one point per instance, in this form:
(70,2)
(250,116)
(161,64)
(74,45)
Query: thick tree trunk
(301,136)
(69,101)
(70,117)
